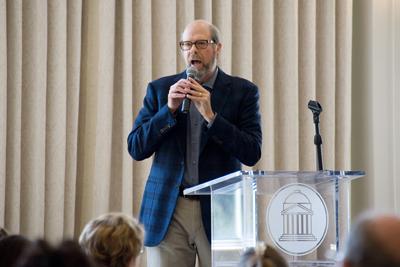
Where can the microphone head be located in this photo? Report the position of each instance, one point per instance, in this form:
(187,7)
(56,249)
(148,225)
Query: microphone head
(192,73)
(314,106)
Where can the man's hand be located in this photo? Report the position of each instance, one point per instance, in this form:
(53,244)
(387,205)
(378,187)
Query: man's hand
(201,98)
(177,93)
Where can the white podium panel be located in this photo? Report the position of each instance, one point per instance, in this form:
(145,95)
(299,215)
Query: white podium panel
(304,214)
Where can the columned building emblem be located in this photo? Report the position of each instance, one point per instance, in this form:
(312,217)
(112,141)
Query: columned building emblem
(297,219)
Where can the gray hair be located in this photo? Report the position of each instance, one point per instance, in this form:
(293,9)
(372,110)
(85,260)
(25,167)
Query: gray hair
(215,35)
(363,248)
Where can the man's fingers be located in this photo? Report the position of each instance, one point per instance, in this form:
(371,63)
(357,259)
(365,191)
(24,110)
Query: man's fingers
(196,93)
(176,95)
(177,89)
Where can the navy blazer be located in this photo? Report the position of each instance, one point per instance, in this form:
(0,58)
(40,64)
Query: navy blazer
(233,138)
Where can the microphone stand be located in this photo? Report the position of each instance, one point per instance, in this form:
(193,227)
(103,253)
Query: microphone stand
(316,109)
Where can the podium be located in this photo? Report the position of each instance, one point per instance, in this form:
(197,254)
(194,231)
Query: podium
(305,215)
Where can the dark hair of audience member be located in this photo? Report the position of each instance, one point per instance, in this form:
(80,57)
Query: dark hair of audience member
(67,254)
(3,232)
(262,256)
(11,249)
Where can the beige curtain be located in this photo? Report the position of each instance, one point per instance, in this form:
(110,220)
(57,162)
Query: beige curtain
(73,75)
(376,105)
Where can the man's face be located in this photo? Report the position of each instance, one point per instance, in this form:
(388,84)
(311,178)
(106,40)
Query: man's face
(203,60)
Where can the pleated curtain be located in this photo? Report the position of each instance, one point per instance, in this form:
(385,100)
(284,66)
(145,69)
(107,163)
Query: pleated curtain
(73,75)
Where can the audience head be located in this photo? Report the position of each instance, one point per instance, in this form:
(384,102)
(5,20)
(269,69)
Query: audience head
(3,232)
(11,249)
(262,256)
(374,240)
(114,240)
(67,254)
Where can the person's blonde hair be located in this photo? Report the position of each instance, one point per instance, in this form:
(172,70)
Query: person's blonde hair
(113,239)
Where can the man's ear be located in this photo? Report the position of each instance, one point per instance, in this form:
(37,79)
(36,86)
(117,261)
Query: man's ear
(219,47)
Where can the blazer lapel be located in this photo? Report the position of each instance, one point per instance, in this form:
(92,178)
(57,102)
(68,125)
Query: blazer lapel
(219,95)
(220,92)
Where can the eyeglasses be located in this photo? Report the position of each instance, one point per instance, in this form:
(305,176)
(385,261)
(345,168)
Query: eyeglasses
(200,44)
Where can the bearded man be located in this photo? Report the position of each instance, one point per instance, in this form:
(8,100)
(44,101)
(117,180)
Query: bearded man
(199,125)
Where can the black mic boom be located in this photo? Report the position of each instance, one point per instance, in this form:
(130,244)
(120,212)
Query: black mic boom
(316,109)
(191,73)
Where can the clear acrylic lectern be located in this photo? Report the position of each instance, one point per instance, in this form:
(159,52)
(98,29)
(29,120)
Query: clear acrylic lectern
(304,214)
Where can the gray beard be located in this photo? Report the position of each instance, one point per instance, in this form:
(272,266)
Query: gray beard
(201,74)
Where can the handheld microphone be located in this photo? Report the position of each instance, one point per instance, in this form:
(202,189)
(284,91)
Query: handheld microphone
(190,73)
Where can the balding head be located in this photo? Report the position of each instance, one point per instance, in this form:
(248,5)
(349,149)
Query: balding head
(387,232)
(200,48)
(374,240)
(197,24)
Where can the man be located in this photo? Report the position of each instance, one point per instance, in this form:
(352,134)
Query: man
(374,241)
(220,131)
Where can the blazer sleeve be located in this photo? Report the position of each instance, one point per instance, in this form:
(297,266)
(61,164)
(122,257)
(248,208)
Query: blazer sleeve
(152,124)
(243,138)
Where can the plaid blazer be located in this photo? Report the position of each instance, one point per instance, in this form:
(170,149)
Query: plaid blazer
(233,138)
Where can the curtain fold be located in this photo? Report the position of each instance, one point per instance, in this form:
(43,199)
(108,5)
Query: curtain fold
(307,79)
(286,93)
(73,75)
(74,32)
(56,117)
(325,79)
(3,108)
(33,116)
(12,118)
(263,76)
(375,104)
(343,79)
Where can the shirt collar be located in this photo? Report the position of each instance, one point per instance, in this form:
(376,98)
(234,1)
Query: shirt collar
(210,82)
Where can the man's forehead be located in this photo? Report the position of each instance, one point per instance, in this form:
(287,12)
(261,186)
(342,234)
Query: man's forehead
(199,28)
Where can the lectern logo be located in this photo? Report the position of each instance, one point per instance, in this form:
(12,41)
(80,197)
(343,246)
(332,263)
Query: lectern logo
(297,219)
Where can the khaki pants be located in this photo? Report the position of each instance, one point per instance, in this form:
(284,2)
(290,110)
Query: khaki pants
(185,239)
